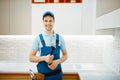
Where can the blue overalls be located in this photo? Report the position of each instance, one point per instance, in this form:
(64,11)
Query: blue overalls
(43,68)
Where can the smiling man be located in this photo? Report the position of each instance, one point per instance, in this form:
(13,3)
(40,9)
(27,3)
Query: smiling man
(49,44)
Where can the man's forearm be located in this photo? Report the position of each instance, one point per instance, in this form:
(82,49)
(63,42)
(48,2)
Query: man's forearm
(36,59)
(62,59)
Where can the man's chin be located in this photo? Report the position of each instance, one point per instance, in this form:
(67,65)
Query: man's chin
(49,29)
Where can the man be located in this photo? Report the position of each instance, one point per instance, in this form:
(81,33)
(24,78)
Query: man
(49,45)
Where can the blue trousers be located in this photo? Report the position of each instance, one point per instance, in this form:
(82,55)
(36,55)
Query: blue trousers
(54,77)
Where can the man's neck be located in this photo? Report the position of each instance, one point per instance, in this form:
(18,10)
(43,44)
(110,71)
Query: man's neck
(50,32)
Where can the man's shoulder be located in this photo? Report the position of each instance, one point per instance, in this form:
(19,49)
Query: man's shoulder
(37,37)
(60,36)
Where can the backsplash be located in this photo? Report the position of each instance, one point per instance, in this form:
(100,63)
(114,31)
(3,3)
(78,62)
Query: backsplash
(85,49)
(15,48)
(81,49)
(112,53)
(93,49)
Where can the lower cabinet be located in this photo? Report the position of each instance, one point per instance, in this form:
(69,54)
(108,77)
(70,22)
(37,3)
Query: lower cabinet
(71,76)
(26,76)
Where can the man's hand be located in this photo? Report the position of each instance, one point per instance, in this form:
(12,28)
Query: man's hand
(49,58)
(53,65)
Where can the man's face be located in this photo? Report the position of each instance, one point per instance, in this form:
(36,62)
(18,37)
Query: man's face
(48,22)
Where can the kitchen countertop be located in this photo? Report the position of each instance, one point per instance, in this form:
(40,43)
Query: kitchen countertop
(85,71)
(24,67)
(98,75)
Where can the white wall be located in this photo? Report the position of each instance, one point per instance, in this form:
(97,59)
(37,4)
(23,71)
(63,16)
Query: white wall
(67,18)
(72,19)
(81,49)
(84,53)
(88,17)
(111,56)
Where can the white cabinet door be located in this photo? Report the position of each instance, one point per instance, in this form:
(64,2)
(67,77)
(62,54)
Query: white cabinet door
(20,17)
(4,17)
(15,17)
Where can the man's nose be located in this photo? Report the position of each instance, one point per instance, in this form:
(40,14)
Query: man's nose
(48,22)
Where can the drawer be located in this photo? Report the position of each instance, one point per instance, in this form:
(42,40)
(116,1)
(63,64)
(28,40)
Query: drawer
(26,76)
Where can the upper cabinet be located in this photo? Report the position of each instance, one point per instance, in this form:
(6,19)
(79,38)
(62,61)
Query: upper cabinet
(15,17)
(20,17)
(110,20)
(56,1)
(4,17)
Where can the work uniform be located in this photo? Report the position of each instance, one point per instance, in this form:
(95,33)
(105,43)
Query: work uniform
(43,44)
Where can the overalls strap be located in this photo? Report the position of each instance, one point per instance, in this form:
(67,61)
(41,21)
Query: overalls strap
(57,39)
(42,40)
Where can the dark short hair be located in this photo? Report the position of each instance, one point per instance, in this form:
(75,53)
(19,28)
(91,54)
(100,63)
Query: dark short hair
(48,13)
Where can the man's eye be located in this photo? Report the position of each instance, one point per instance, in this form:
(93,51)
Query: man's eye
(50,21)
(45,20)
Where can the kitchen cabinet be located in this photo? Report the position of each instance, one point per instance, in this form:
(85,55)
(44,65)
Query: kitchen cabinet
(109,20)
(26,76)
(71,76)
(4,17)
(15,17)
(14,76)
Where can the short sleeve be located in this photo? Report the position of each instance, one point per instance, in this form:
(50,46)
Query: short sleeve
(62,43)
(35,45)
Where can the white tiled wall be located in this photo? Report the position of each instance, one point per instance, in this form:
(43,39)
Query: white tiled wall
(112,53)
(81,49)
(85,49)
(15,48)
